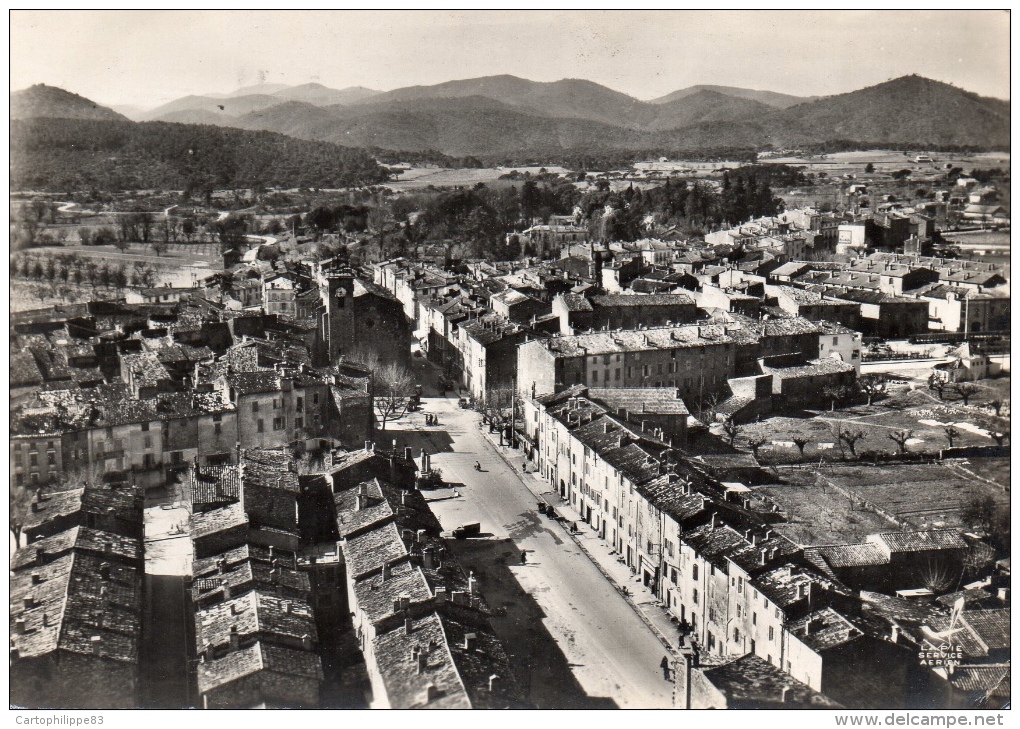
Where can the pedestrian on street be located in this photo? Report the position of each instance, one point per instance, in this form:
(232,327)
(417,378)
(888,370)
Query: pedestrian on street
(665,668)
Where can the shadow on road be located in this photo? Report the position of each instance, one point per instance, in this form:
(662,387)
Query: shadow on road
(432,441)
(536,658)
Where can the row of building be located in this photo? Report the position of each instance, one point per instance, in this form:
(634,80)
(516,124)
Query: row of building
(745,596)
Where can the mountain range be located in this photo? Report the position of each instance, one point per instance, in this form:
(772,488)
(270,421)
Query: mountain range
(499,115)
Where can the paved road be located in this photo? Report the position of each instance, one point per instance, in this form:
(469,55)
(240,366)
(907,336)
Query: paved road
(609,652)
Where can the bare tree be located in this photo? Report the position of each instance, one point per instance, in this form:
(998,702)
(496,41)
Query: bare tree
(952,433)
(996,405)
(872,386)
(392,387)
(731,429)
(939,576)
(800,443)
(850,437)
(900,437)
(999,437)
(755,442)
(966,390)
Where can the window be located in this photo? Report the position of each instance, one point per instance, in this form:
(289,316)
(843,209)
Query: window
(299,403)
(738,611)
(279,423)
(772,633)
(259,426)
(754,618)
(299,422)
(147,460)
(33,459)
(147,442)
(694,596)
(752,646)
(740,585)
(672,575)
(694,572)
(217,429)
(595,376)
(217,417)
(736,635)
(145,427)
(835,341)
(616,375)
(276,404)
(51,458)
(315,398)
(254,407)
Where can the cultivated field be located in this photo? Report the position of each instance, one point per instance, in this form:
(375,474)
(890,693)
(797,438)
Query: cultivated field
(418,178)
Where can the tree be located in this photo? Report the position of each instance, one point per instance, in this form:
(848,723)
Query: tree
(869,168)
(158,246)
(392,387)
(900,437)
(999,437)
(966,390)
(122,244)
(850,437)
(872,386)
(22,496)
(85,236)
(900,174)
(834,394)
(952,433)
(800,443)
(996,405)
(938,385)
(731,429)
(756,442)
(979,512)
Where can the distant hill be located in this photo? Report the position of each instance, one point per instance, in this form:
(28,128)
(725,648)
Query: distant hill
(769,98)
(706,106)
(320,95)
(911,109)
(52,102)
(262,89)
(62,154)
(230,108)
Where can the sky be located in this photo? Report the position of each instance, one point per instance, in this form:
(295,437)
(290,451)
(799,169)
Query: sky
(146,58)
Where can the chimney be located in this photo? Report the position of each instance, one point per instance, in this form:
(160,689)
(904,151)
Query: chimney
(894,636)
(764,556)
(1003,594)
(422,658)
(442,595)
(429,558)
(29,602)
(306,642)
(359,502)
(469,641)
(235,638)
(226,589)
(784,694)
(712,523)
(287,607)
(407,454)
(19,625)
(419,536)
(493,682)
(36,578)
(472,583)
(369,446)
(40,555)
(408,625)
(221,564)
(97,644)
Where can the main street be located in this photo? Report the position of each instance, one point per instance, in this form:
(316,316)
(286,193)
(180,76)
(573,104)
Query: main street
(578,641)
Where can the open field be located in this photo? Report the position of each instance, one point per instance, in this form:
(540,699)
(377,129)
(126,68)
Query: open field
(418,178)
(819,515)
(918,411)
(181,266)
(919,495)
